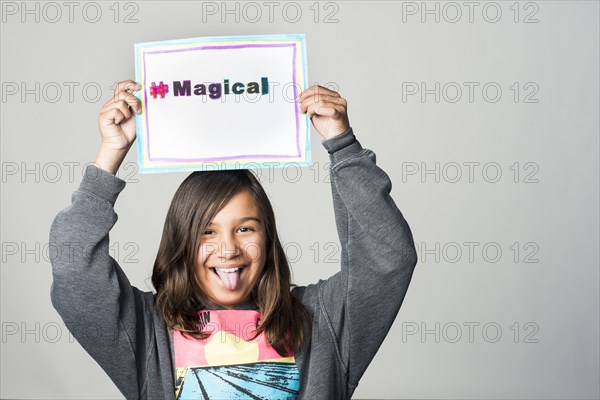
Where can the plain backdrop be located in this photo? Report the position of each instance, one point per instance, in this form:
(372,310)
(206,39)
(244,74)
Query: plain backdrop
(497,177)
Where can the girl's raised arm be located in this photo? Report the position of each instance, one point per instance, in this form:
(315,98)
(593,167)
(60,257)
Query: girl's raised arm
(358,305)
(89,290)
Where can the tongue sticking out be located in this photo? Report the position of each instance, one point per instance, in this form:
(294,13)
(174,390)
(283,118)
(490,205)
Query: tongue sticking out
(230,279)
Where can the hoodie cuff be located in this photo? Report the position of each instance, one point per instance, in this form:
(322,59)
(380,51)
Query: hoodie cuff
(342,146)
(102,184)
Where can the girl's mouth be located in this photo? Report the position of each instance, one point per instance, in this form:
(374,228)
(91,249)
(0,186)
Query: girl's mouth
(230,276)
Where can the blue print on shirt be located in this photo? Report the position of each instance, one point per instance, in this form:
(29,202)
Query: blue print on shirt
(231,363)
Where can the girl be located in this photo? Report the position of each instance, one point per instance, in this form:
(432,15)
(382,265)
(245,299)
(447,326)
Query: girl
(225,322)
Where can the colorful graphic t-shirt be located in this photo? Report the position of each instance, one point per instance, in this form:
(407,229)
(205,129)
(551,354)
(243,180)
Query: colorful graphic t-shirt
(230,364)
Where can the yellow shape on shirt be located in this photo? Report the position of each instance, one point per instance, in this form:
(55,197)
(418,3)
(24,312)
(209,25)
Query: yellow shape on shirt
(225,348)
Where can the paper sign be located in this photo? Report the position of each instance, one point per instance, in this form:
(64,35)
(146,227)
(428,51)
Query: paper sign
(222,103)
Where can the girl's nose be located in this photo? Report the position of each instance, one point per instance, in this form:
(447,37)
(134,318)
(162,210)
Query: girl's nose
(229,248)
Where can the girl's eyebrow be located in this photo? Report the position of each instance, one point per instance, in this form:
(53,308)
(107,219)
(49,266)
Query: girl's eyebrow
(255,219)
(243,219)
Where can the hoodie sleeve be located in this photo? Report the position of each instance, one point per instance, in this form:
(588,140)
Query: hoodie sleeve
(89,289)
(378,256)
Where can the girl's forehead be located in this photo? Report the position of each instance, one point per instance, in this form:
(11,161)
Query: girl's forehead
(240,206)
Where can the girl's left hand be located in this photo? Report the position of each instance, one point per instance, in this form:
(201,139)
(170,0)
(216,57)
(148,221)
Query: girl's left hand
(326,110)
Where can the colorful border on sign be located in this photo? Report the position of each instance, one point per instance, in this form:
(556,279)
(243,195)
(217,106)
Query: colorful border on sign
(299,72)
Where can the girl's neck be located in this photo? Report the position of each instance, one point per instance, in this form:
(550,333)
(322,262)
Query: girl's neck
(246,305)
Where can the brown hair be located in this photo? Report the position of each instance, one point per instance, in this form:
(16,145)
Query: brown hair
(179,297)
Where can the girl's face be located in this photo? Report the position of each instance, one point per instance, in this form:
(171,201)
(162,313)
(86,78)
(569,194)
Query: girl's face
(232,252)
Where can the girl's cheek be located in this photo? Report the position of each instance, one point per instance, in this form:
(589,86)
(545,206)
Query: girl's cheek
(205,250)
(253,250)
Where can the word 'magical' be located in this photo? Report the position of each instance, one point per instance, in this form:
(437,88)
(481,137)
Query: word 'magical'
(213,90)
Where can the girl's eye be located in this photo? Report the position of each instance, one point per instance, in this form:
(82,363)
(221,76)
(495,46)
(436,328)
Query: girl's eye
(243,229)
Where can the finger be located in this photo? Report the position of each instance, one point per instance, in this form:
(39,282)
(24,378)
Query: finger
(317,90)
(122,105)
(126,85)
(114,116)
(331,110)
(337,100)
(323,99)
(307,101)
(312,91)
(131,100)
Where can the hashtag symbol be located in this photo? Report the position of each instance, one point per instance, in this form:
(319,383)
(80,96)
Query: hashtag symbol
(161,90)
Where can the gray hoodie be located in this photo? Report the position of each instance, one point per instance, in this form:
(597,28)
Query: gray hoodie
(352,311)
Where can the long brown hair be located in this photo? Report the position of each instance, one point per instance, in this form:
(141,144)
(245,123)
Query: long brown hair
(179,297)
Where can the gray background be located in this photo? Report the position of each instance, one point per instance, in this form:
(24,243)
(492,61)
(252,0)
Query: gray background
(533,312)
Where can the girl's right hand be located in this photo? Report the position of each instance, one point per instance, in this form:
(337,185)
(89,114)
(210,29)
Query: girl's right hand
(117,126)
(117,119)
